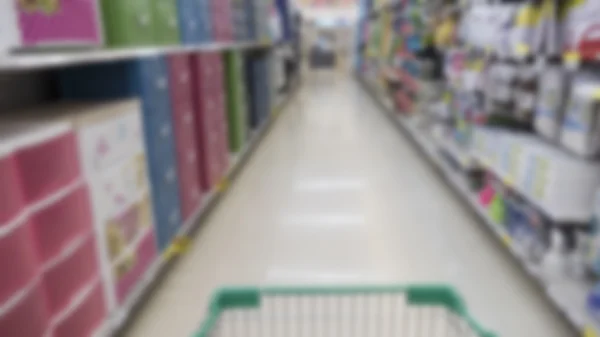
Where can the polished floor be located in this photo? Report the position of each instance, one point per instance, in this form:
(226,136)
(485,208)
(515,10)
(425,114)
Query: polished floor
(335,195)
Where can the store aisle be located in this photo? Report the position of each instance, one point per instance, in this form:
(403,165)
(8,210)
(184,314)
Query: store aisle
(335,195)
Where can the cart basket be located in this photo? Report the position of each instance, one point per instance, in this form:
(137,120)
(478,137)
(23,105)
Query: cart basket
(357,311)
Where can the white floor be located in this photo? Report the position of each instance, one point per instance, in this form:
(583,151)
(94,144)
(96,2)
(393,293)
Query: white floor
(335,195)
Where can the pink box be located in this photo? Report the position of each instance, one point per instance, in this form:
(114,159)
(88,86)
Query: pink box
(145,255)
(203,104)
(59,22)
(17,260)
(180,85)
(27,318)
(47,166)
(69,277)
(55,226)
(11,198)
(188,160)
(87,318)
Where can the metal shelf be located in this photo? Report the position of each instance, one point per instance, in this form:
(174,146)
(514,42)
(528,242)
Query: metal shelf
(42,60)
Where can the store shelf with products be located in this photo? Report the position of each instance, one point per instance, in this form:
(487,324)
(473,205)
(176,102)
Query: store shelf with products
(138,141)
(568,295)
(511,124)
(153,275)
(71,34)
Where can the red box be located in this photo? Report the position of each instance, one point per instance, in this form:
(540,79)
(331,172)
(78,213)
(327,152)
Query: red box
(221,18)
(18,260)
(203,105)
(87,318)
(68,278)
(188,160)
(184,124)
(210,118)
(56,225)
(47,166)
(11,196)
(180,86)
(28,317)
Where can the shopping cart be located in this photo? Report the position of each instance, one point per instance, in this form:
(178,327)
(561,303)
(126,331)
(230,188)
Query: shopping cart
(374,311)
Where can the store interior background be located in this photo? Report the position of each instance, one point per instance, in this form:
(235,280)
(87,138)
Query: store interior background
(365,171)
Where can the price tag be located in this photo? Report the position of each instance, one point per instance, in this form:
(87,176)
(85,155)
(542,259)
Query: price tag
(509,181)
(572,59)
(478,65)
(447,97)
(169,253)
(522,49)
(514,159)
(589,331)
(506,240)
(274,113)
(223,185)
(542,167)
(180,245)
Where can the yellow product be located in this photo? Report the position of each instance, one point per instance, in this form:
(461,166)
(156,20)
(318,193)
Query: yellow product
(115,240)
(529,16)
(124,266)
(444,33)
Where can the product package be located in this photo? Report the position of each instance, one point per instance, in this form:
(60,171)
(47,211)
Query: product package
(581,126)
(551,101)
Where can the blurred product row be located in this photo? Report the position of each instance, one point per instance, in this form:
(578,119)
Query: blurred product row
(115,23)
(94,188)
(508,93)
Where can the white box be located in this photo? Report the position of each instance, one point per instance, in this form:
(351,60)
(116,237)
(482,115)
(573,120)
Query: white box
(109,133)
(551,101)
(581,126)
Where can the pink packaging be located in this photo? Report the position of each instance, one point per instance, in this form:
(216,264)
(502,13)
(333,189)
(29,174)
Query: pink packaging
(48,165)
(11,198)
(188,163)
(87,318)
(184,125)
(28,317)
(145,254)
(223,141)
(180,85)
(17,260)
(203,105)
(59,22)
(66,279)
(56,225)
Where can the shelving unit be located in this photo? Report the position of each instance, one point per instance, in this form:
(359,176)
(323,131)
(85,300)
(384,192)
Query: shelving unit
(482,111)
(568,298)
(126,105)
(161,266)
